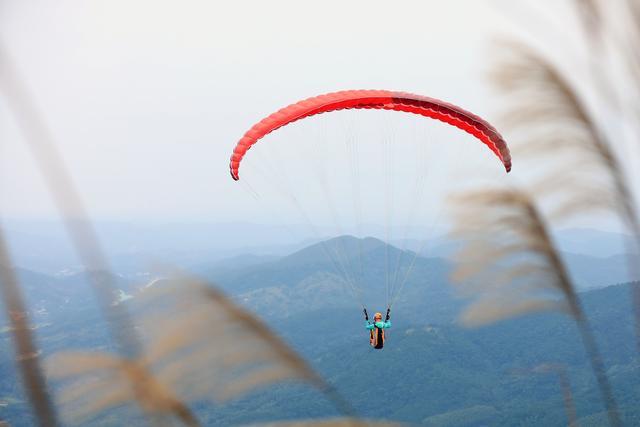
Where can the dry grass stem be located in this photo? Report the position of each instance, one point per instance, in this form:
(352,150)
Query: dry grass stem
(557,129)
(26,351)
(41,144)
(511,246)
(198,345)
(102,381)
(510,254)
(591,16)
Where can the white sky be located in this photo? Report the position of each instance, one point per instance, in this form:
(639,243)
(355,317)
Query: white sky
(147,98)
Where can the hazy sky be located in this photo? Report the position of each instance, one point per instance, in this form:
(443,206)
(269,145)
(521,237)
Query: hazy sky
(146,99)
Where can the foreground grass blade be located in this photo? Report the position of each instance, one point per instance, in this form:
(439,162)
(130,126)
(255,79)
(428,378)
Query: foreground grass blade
(27,354)
(512,267)
(198,346)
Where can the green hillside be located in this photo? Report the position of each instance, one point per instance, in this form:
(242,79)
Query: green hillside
(443,375)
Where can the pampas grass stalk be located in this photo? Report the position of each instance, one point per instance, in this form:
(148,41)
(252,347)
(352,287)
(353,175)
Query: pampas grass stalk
(558,129)
(41,143)
(27,354)
(198,345)
(516,269)
(108,381)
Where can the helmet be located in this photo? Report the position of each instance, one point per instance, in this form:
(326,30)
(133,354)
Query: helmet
(377,315)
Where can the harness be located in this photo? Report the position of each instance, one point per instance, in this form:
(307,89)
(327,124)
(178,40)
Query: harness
(376,337)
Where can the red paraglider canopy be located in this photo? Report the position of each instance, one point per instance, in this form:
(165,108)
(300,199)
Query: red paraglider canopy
(379,100)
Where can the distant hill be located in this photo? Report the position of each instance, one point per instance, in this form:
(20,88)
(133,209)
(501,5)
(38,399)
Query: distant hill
(582,241)
(325,275)
(591,242)
(131,246)
(44,245)
(321,276)
(592,272)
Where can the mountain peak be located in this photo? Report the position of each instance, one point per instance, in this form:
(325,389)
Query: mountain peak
(345,246)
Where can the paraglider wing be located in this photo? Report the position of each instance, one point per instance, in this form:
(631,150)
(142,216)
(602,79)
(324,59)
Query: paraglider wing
(379,100)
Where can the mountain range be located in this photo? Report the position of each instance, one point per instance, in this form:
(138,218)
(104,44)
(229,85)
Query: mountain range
(431,372)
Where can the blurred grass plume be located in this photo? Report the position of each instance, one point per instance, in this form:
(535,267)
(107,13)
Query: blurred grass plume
(198,345)
(510,264)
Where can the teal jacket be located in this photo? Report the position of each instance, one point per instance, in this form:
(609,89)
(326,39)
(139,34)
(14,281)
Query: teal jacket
(381,325)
